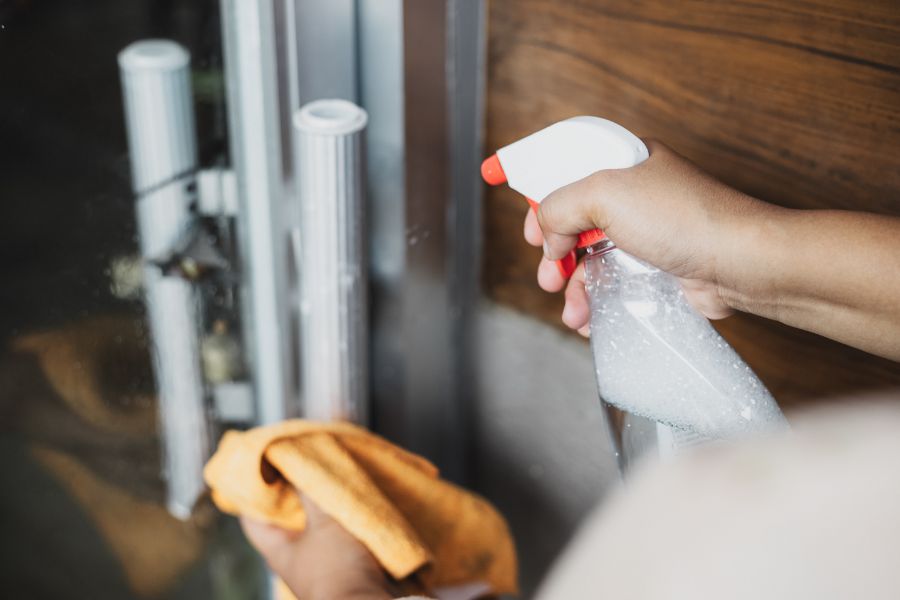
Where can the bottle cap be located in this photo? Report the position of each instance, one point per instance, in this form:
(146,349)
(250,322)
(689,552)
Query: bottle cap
(589,238)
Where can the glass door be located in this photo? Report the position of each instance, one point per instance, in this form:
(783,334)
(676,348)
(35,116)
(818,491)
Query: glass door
(83,503)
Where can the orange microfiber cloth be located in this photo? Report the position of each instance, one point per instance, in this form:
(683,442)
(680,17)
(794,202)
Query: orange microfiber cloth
(389,499)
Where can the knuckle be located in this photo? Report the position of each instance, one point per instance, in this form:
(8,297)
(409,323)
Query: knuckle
(654,145)
(601,180)
(547,213)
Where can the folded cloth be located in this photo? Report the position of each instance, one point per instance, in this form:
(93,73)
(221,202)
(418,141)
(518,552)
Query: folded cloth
(389,499)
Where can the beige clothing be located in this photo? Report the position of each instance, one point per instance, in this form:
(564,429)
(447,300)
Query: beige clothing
(810,515)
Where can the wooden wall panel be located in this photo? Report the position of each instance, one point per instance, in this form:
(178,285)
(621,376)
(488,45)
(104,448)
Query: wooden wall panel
(795,102)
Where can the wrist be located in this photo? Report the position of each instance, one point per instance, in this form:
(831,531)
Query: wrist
(330,592)
(751,260)
(351,584)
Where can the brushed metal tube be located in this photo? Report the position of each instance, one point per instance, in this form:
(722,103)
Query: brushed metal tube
(252,83)
(328,150)
(156,88)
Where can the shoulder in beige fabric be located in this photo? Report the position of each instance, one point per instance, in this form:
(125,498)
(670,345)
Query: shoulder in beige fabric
(814,514)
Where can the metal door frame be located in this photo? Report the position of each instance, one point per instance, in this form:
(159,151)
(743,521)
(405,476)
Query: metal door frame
(417,67)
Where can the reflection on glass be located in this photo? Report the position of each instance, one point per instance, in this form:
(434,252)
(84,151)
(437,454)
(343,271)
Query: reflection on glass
(83,502)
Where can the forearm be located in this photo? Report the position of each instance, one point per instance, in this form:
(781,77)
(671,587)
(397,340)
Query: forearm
(834,273)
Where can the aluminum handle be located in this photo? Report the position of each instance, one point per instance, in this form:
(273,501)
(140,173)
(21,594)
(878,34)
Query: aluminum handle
(328,150)
(156,88)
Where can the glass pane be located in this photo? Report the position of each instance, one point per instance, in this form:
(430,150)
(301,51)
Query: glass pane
(83,500)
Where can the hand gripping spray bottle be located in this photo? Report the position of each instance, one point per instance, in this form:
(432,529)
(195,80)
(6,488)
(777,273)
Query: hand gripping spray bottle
(658,360)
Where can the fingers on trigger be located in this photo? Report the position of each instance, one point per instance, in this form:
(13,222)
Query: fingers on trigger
(577,312)
(315,516)
(548,276)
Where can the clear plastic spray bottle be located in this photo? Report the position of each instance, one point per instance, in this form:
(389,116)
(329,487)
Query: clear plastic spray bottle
(659,361)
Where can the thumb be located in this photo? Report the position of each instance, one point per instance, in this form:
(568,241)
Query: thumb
(571,210)
(274,543)
(315,516)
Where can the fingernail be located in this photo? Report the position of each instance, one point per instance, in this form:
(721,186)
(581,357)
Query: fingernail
(585,331)
(547,251)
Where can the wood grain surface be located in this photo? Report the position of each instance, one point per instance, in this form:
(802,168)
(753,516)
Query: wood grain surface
(795,102)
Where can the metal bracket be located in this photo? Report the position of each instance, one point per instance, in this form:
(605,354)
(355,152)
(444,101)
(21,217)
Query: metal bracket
(217,193)
(233,402)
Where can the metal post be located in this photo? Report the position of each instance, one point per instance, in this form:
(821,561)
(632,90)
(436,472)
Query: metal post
(328,153)
(416,68)
(252,82)
(466,80)
(162,146)
(381,77)
(421,80)
(325,49)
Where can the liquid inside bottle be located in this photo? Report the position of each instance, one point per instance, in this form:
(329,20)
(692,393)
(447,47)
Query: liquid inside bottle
(655,356)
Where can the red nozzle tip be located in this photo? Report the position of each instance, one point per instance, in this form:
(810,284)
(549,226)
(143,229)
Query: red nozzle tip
(492,171)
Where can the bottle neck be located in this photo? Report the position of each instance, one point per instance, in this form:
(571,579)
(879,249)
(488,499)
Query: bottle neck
(602,247)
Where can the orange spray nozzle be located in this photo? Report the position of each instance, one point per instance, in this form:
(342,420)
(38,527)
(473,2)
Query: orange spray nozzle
(492,171)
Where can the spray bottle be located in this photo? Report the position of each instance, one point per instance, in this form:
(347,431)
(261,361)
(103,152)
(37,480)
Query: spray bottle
(659,361)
